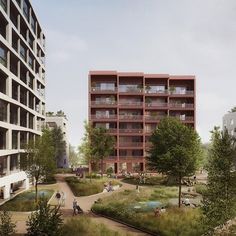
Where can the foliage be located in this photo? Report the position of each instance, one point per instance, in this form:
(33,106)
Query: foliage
(85,187)
(73,157)
(85,227)
(38,161)
(59,144)
(175,149)
(64,171)
(45,221)
(220,198)
(154,180)
(109,171)
(203,158)
(175,221)
(232,110)
(25,201)
(96,145)
(6,225)
(200,188)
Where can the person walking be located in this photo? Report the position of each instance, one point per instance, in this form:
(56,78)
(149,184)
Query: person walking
(74,207)
(58,197)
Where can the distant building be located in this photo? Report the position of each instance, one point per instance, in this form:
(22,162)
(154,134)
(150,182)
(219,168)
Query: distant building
(60,120)
(22,89)
(131,105)
(229,122)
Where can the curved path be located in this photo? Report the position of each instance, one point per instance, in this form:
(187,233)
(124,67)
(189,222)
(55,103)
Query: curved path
(86,203)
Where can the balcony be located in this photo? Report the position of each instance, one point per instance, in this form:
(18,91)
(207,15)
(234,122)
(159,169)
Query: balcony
(154,118)
(131,158)
(184,118)
(131,131)
(103,117)
(178,93)
(181,106)
(112,131)
(157,92)
(156,105)
(103,103)
(131,117)
(130,103)
(131,89)
(101,90)
(132,144)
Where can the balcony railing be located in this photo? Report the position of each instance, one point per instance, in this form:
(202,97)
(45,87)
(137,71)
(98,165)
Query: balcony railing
(106,103)
(155,117)
(111,131)
(130,103)
(183,105)
(127,131)
(131,144)
(152,91)
(130,158)
(130,90)
(186,92)
(130,117)
(184,118)
(100,116)
(99,89)
(156,104)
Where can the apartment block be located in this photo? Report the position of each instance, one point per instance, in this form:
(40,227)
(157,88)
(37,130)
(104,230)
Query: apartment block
(229,123)
(22,89)
(130,106)
(60,120)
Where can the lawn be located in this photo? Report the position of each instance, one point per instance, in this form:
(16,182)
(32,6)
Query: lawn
(85,187)
(25,201)
(134,208)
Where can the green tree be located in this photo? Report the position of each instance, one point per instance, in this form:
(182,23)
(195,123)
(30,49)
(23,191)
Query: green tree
(46,220)
(59,144)
(6,225)
(102,145)
(175,149)
(219,201)
(73,157)
(38,161)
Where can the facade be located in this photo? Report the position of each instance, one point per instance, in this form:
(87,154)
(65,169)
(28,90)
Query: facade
(130,106)
(22,86)
(61,121)
(229,123)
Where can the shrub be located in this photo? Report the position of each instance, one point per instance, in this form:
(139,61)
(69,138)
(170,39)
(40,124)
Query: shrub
(64,171)
(200,188)
(6,225)
(45,221)
(83,226)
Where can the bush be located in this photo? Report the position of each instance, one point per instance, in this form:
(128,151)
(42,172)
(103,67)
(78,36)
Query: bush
(83,226)
(93,176)
(45,221)
(200,188)
(64,171)
(155,180)
(25,201)
(6,225)
(49,180)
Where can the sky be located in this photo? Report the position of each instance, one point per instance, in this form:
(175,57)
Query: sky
(184,37)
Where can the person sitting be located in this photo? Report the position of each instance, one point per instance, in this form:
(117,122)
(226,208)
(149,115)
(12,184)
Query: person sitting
(163,210)
(186,202)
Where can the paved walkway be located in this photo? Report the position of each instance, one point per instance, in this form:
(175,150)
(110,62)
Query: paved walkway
(86,203)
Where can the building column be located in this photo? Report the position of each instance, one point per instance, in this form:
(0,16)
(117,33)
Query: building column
(6,191)
(8,164)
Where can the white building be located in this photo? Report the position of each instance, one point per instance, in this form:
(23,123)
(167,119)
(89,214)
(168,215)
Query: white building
(22,86)
(60,120)
(229,122)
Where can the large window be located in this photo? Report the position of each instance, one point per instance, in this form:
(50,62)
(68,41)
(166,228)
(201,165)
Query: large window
(33,24)
(30,62)
(3,4)
(3,111)
(23,52)
(3,56)
(26,10)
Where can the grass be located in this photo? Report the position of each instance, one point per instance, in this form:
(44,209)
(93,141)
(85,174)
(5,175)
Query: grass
(85,187)
(155,180)
(25,201)
(84,226)
(184,221)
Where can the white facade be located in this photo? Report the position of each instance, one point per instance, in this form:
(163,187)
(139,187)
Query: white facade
(22,87)
(62,122)
(229,122)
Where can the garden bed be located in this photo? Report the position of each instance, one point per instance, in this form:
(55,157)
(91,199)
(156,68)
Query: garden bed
(123,206)
(25,201)
(85,187)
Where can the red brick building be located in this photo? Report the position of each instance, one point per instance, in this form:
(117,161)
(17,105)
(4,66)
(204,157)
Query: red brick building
(130,106)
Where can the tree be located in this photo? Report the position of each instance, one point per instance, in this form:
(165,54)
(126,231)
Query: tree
(38,161)
(45,221)
(59,144)
(175,149)
(6,225)
(232,110)
(96,145)
(102,145)
(219,201)
(73,157)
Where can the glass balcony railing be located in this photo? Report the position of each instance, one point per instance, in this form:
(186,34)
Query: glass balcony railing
(154,117)
(130,103)
(127,131)
(156,104)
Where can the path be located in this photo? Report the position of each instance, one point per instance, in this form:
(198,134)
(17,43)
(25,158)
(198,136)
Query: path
(86,203)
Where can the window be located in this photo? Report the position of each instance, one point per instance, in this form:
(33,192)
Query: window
(31,62)
(3,56)
(22,52)
(18,2)
(231,122)
(3,4)
(3,111)
(26,10)
(33,23)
